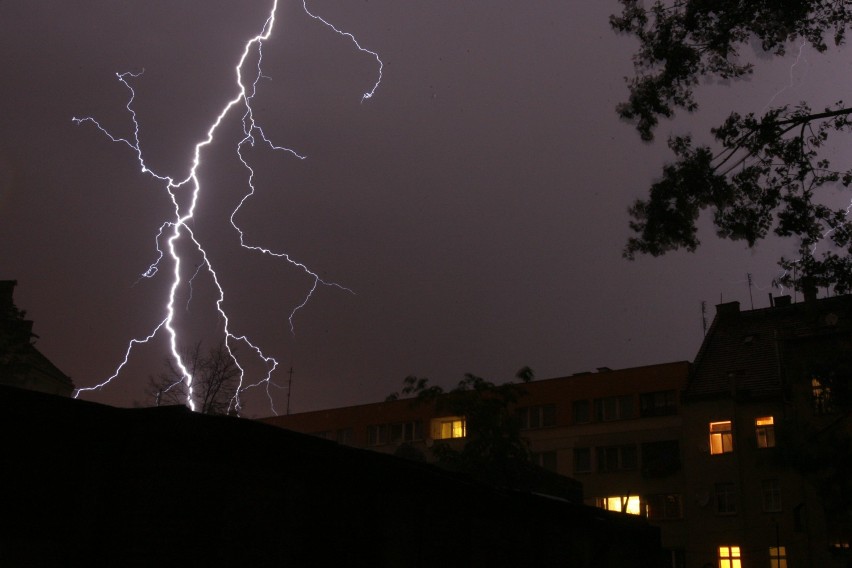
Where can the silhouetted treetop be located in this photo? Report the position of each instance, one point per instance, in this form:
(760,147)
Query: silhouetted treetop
(682,41)
(765,175)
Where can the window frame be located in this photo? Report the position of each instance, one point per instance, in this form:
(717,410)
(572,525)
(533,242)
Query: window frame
(765,432)
(778,557)
(770,493)
(621,452)
(537,416)
(730,556)
(664,506)
(586,412)
(574,466)
(438,427)
(612,408)
(658,403)
(721,439)
(725,496)
(628,504)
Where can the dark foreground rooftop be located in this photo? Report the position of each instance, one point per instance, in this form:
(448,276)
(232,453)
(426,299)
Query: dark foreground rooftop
(85,484)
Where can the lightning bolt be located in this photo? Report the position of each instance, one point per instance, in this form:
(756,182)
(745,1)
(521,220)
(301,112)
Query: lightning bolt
(799,57)
(173,231)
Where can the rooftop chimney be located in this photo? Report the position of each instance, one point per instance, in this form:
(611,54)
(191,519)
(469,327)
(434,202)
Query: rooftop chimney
(728,309)
(809,289)
(7,291)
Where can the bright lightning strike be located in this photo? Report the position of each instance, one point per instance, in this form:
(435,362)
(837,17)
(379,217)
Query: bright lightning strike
(172,232)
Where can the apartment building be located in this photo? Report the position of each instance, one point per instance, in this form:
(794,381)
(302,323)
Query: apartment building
(615,431)
(762,438)
(742,459)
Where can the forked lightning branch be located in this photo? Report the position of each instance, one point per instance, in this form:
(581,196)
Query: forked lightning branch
(176,235)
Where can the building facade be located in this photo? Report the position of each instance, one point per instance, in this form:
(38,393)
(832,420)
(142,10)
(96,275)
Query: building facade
(615,431)
(760,434)
(742,459)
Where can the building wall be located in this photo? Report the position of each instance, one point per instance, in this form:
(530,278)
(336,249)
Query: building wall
(754,365)
(557,431)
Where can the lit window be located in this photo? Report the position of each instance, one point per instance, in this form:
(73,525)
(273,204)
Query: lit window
(726,498)
(664,506)
(582,460)
(729,557)
(777,557)
(764,427)
(821,397)
(621,504)
(771,489)
(721,438)
(448,427)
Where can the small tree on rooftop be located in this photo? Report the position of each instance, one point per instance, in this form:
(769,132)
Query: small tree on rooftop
(215,381)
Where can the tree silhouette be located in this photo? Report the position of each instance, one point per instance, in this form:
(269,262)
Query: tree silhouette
(215,381)
(767,171)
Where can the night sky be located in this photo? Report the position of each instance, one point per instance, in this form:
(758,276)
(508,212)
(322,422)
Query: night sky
(476,205)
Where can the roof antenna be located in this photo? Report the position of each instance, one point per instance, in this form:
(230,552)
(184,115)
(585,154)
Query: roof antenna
(748,276)
(289,389)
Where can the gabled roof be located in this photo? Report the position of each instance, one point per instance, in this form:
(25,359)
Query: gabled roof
(740,354)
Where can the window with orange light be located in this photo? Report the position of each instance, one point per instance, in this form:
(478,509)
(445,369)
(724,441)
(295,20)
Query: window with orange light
(721,438)
(448,427)
(764,428)
(729,557)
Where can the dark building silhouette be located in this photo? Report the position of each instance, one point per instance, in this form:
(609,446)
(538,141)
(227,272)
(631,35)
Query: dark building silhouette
(85,484)
(21,364)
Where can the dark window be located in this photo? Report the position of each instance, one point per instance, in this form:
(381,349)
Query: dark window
(405,432)
(821,397)
(344,436)
(614,408)
(582,460)
(537,416)
(771,489)
(660,458)
(664,506)
(547,460)
(377,435)
(726,498)
(660,403)
(617,458)
(580,410)
(673,558)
